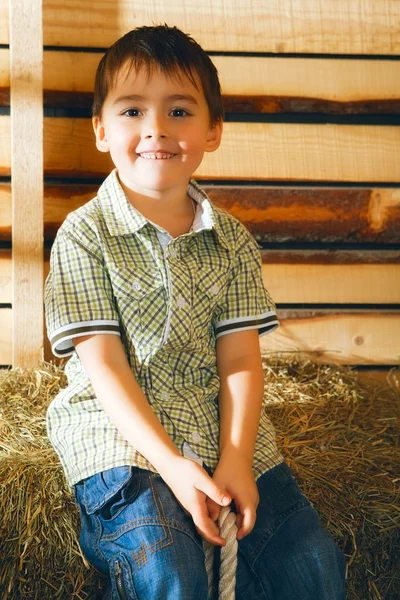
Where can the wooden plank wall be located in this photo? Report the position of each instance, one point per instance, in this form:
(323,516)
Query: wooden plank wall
(310,160)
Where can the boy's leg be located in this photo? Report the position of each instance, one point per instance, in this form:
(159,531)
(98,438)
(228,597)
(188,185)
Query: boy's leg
(135,531)
(288,555)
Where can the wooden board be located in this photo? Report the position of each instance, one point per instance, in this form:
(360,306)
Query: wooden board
(364,339)
(309,26)
(249,83)
(358,339)
(5,277)
(27,181)
(297,278)
(5,336)
(368,338)
(332,284)
(267,151)
(272,214)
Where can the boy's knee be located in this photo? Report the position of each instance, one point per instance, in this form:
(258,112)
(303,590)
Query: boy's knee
(315,558)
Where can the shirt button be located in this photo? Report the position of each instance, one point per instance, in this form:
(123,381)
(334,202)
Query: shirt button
(136,285)
(195,437)
(164,396)
(181,302)
(173,253)
(214,289)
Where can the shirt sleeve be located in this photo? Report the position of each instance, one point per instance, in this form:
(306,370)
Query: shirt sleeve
(78,295)
(247,304)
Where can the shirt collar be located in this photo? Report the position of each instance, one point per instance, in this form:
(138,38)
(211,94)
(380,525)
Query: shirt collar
(122,218)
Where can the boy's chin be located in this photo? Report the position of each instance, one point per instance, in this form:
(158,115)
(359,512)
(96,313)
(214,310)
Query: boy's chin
(154,183)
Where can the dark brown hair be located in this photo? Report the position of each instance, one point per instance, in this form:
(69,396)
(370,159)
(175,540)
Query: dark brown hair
(167,48)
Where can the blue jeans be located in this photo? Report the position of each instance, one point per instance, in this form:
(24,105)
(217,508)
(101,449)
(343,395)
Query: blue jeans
(135,531)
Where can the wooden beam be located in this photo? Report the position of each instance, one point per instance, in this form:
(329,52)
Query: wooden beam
(250,84)
(332,283)
(278,26)
(266,151)
(277,84)
(27,180)
(272,214)
(303,278)
(345,338)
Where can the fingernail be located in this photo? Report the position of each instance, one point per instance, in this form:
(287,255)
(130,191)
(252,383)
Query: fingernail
(226,499)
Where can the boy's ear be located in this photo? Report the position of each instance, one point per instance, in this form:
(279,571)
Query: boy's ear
(214,137)
(101,138)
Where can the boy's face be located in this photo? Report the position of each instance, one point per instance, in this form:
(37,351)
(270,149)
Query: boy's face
(156,130)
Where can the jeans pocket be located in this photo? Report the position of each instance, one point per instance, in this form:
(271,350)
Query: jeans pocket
(107,493)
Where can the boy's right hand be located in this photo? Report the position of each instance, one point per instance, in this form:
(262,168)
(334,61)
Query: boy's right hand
(191,485)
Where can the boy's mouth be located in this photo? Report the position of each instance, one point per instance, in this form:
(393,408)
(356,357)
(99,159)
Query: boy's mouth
(156,155)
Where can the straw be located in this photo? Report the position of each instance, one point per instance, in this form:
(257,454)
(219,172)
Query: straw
(339,436)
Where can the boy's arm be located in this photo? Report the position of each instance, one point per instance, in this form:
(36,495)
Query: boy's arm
(117,390)
(240,403)
(241,392)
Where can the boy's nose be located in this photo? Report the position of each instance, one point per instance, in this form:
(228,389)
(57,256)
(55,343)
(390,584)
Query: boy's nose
(155,134)
(155,128)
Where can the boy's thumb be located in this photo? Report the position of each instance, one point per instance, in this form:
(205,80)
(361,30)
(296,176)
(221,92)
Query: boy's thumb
(220,496)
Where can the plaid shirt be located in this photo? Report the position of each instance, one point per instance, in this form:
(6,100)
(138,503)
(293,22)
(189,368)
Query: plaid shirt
(112,271)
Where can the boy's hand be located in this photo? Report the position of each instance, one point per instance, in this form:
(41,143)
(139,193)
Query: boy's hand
(235,475)
(192,487)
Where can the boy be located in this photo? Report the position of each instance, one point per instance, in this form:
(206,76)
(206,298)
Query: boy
(158,297)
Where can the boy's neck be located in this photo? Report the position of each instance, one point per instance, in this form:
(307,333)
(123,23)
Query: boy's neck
(171,209)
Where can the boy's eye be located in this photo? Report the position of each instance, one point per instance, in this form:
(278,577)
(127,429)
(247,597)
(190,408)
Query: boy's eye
(179,112)
(131,112)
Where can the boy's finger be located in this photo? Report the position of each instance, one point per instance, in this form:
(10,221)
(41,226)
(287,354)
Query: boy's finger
(213,509)
(207,528)
(248,519)
(210,489)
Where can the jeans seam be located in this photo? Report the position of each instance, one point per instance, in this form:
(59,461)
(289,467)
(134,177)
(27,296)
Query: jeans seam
(163,520)
(243,557)
(268,535)
(97,548)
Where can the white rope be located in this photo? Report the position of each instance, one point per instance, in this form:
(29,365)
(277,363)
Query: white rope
(227,572)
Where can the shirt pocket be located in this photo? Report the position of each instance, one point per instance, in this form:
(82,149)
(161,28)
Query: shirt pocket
(209,292)
(141,301)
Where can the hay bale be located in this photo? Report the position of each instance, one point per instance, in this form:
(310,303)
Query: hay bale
(338,436)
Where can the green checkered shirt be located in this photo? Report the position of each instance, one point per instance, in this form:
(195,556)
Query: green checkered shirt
(112,271)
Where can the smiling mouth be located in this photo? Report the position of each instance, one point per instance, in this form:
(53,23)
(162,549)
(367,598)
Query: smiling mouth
(156,156)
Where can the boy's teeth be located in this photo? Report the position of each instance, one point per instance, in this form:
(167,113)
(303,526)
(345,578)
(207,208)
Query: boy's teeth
(155,155)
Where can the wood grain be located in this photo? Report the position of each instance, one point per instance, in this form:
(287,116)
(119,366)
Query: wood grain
(27,181)
(354,339)
(357,339)
(250,84)
(303,277)
(274,215)
(266,151)
(306,26)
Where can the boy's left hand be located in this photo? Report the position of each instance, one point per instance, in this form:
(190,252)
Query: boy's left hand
(235,475)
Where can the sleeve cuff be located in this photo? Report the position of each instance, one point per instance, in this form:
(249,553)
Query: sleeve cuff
(61,339)
(265,323)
